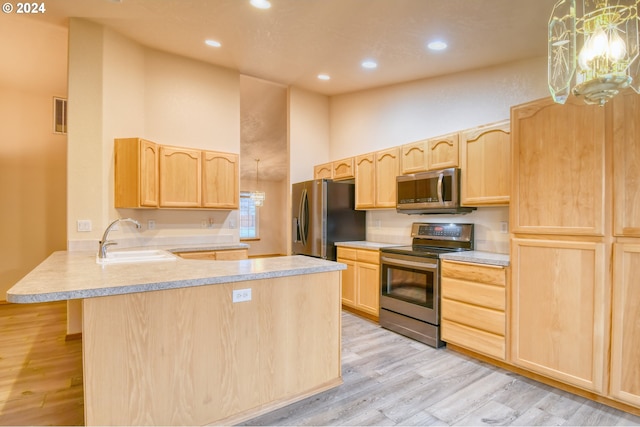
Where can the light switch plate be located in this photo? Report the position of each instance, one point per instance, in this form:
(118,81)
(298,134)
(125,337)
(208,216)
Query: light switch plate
(84,225)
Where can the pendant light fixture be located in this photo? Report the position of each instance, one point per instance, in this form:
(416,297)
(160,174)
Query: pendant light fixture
(256,195)
(598,41)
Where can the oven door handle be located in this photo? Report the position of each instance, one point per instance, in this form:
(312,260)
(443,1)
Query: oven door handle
(405,263)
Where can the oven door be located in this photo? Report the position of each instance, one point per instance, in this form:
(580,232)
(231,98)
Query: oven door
(410,285)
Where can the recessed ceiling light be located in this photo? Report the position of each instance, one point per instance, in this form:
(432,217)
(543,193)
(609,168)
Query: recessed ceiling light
(261,4)
(369,64)
(212,43)
(324,76)
(437,45)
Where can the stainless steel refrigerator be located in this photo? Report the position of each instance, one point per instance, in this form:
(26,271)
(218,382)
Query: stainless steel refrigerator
(324,213)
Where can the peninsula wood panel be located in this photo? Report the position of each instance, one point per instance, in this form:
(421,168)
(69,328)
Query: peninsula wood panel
(191,357)
(558,168)
(626,163)
(625,333)
(180,177)
(220,180)
(486,165)
(559,310)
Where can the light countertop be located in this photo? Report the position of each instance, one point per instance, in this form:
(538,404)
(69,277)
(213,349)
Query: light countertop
(478,257)
(363,244)
(73,275)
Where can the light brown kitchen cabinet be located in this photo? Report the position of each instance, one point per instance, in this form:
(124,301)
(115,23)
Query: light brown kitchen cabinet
(365,179)
(473,307)
(558,168)
(443,151)
(434,153)
(180,177)
(626,163)
(136,173)
(387,168)
(486,165)
(415,157)
(343,169)
(220,255)
(220,180)
(625,334)
(323,171)
(361,279)
(559,323)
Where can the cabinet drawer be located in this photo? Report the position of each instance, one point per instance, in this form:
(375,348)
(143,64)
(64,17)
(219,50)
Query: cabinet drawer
(372,257)
(478,294)
(477,317)
(493,275)
(473,339)
(347,253)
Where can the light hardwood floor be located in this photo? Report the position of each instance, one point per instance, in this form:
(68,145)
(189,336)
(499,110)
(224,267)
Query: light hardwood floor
(388,380)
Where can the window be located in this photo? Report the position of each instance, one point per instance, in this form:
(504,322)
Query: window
(59,115)
(248,217)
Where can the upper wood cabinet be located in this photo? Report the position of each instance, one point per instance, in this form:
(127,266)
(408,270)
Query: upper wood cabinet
(443,152)
(136,173)
(387,169)
(337,170)
(626,163)
(429,154)
(486,165)
(558,168)
(323,171)
(365,166)
(343,169)
(220,180)
(625,339)
(559,311)
(159,176)
(180,177)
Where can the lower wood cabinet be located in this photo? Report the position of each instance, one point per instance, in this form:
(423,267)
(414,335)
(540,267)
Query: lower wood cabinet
(473,307)
(361,279)
(221,255)
(625,328)
(559,310)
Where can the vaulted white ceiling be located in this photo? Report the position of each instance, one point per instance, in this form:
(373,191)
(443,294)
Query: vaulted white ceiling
(295,40)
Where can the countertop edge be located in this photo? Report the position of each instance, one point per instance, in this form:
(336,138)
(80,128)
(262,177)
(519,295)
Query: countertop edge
(478,257)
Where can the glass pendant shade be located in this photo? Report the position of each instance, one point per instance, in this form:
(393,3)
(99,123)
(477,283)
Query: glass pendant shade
(598,41)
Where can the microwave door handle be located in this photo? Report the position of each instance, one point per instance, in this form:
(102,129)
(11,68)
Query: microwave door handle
(440,180)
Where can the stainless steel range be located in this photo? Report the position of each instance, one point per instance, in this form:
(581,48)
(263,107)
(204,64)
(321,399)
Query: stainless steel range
(410,279)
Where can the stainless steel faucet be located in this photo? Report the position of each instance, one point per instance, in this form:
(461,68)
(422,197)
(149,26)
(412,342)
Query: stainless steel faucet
(102,251)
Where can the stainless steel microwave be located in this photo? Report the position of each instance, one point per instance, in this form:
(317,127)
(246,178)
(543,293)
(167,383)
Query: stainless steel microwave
(432,192)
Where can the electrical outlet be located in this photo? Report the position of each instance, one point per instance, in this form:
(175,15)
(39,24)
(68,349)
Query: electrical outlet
(151,224)
(232,223)
(84,225)
(241,295)
(504,227)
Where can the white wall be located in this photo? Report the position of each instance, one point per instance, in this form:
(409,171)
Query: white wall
(375,119)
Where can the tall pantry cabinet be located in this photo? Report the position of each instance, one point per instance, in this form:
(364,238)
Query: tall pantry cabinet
(575,219)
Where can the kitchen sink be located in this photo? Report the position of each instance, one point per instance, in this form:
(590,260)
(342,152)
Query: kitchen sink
(145,255)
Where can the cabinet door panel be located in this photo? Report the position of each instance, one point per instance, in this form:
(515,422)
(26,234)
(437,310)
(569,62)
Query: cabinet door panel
(365,181)
(323,171)
(415,157)
(180,177)
(220,180)
(559,310)
(486,165)
(368,292)
(148,174)
(443,152)
(343,169)
(348,282)
(625,339)
(558,168)
(626,164)
(386,170)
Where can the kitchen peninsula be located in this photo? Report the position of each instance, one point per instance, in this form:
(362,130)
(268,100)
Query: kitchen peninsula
(165,343)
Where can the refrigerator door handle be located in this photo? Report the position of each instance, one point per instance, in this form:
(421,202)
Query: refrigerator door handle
(303,212)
